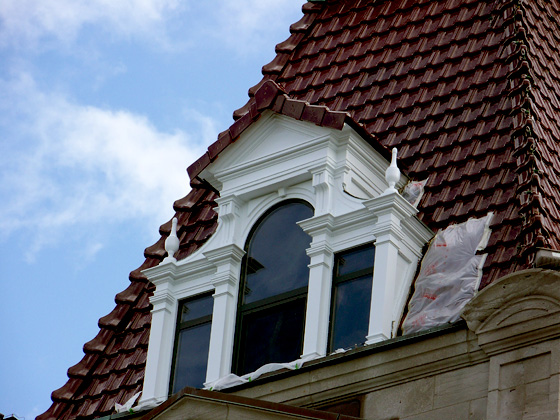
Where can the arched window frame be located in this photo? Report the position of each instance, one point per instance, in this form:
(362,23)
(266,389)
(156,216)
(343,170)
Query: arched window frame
(290,297)
(280,158)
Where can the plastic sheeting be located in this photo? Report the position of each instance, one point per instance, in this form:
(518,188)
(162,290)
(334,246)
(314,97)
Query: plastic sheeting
(127,406)
(413,191)
(233,380)
(449,275)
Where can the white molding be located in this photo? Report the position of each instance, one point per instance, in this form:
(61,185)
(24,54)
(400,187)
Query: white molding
(274,160)
(227,261)
(394,262)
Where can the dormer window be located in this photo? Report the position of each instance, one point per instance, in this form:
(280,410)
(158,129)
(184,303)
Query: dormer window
(273,289)
(291,267)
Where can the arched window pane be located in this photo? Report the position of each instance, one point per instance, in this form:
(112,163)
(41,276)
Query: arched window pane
(274,289)
(276,260)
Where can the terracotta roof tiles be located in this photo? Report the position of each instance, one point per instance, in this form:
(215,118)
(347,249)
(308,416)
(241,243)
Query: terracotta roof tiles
(468,90)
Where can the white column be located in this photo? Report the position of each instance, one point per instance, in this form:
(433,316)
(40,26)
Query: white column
(320,285)
(227,260)
(390,209)
(318,300)
(160,348)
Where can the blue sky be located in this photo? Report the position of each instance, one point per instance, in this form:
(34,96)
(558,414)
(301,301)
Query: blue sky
(103,105)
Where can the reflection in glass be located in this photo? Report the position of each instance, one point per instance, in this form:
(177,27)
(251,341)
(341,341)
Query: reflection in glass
(355,260)
(272,335)
(192,357)
(273,295)
(197,308)
(192,342)
(351,312)
(276,261)
(351,297)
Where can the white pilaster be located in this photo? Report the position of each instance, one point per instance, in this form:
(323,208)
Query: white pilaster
(390,209)
(320,285)
(160,347)
(227,261)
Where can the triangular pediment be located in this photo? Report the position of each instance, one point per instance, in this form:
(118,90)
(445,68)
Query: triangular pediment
(271,137)
(279,151)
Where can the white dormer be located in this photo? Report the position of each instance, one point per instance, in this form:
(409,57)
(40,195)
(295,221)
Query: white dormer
(353,213)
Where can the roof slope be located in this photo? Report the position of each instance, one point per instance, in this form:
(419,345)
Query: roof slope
(466,89)
(453,84)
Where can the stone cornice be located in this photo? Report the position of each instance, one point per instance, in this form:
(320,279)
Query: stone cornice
(518,310)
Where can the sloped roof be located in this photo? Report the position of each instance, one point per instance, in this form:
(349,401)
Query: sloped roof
(112,369)
(466,89)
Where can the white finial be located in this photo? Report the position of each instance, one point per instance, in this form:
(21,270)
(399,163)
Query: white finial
(172,243)
(392,174)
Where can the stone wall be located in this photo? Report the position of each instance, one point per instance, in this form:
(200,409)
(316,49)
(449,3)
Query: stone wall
(502,364)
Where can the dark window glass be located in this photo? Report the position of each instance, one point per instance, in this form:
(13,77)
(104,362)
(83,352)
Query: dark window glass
(273,292)
(273,334)
(197,308)
(355,260)
(192,342)
(352,285)
(276,261)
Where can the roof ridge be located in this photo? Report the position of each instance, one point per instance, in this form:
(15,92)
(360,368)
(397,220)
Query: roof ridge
(530,139)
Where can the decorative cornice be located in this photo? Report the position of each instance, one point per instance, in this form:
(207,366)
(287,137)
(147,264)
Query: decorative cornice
(518,310)
(175,271)
(391,203)
(225,254)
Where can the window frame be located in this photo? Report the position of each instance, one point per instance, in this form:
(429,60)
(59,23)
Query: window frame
(270,302)
(341,279)
(181,326)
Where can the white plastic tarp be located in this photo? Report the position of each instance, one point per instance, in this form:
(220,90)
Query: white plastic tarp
(127,406)
(449,275)
(233,380)
(413,191)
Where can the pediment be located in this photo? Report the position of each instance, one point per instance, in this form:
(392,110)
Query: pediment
(519,309)
(269,138)
(277,152)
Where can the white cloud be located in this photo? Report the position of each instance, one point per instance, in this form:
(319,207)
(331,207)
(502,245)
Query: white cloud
(244,26)
(69,166)
(25,22)
(250,25)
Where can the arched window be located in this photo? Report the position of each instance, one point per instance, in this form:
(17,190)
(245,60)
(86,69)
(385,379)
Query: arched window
(273,289)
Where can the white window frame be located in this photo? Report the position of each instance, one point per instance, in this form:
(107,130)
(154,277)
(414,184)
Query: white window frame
(278,159)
